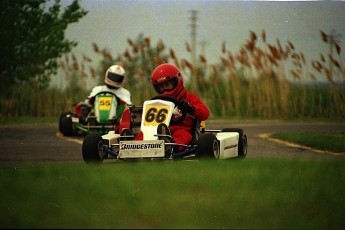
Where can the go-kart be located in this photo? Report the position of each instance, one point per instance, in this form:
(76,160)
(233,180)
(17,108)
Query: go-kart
(83,119)
(218,144)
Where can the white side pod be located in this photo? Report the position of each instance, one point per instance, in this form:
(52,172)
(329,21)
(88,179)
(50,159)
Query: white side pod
(228,144)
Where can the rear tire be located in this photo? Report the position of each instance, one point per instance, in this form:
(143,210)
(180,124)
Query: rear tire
(92,149)
(242,141)
(242,147)
(207,146)
(65,124)
(62,115)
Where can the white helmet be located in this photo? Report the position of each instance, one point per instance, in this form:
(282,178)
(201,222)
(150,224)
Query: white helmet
(114,76)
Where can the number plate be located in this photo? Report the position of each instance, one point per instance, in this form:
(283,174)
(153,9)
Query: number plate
(104,103)
(141,149)
(155,115)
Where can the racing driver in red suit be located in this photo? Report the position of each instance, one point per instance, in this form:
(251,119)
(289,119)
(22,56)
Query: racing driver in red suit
(167,80)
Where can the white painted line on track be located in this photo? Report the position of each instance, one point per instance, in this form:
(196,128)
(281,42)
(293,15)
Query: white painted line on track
(60,135)
(266,136)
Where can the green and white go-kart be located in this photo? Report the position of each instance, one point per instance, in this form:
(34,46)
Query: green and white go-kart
(100,119)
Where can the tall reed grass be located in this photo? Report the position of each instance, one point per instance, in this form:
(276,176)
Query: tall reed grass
(262,80)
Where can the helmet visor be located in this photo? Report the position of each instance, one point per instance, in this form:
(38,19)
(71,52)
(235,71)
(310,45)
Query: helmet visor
(115,77)
(166,86)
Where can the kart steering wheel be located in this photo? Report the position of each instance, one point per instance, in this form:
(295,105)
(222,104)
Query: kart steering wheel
(177,103)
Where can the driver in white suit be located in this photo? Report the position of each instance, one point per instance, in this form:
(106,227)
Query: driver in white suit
(113,83)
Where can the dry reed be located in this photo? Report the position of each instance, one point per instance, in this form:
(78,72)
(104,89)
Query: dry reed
(260,80)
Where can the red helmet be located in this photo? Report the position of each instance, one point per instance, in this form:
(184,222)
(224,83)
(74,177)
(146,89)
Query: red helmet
(167,80)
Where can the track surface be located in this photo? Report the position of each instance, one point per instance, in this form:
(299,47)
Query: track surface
(42,144)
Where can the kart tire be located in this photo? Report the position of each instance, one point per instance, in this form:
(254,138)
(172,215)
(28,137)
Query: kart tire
(242,141)
(207,146)
(62,115)
(65,124)
(92,149)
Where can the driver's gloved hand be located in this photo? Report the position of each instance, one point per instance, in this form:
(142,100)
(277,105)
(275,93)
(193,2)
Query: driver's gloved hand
(185,106)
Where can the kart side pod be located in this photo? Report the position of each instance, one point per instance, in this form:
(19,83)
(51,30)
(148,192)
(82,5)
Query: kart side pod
(228,144)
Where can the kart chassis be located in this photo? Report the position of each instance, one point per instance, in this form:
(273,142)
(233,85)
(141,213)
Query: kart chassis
(218,144)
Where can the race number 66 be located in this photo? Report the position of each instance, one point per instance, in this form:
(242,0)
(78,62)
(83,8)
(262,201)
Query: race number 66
(155,115)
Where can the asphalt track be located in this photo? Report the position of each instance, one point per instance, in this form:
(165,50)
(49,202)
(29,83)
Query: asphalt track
(43,144)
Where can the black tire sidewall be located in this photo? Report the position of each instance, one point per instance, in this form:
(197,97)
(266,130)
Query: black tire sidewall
(205,144)
(90,148)
(66,125)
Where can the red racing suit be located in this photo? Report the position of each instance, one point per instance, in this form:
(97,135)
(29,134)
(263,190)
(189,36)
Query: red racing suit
(182,132)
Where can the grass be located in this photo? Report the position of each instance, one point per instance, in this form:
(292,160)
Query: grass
(250,193)
(327,141)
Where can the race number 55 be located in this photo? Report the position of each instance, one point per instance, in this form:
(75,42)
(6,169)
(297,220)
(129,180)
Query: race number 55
(104,103)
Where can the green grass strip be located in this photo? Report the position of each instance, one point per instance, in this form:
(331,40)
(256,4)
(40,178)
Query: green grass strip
(252,193)
(326,141)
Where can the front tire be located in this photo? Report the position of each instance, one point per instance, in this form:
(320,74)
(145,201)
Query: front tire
(92,149)
(208,146)
(242,141)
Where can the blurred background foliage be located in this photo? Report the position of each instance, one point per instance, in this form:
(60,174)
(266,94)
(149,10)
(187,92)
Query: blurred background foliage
(260,80)
(32,38)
